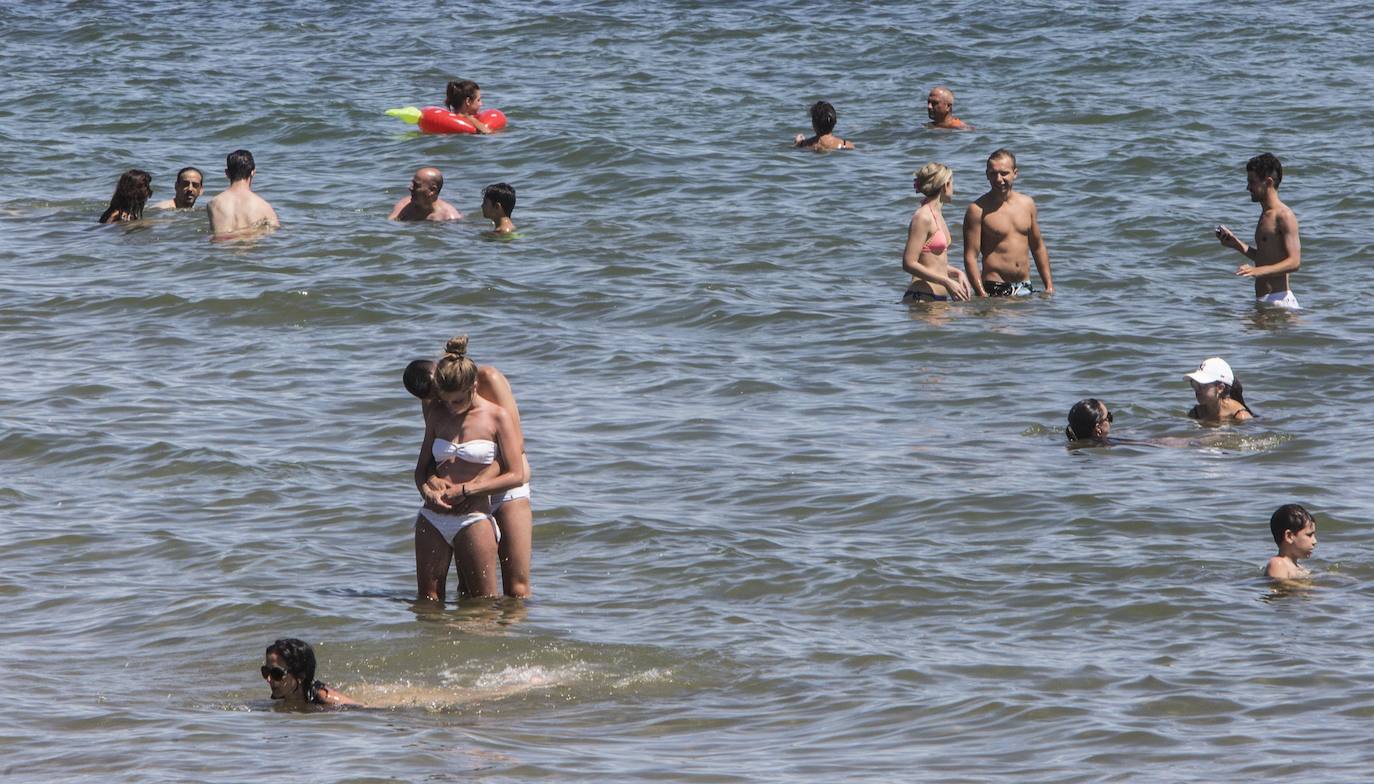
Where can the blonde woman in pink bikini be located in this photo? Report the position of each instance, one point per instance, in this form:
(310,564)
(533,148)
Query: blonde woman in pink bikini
(926,255)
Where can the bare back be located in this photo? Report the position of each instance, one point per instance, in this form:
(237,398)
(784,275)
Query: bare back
(239,210)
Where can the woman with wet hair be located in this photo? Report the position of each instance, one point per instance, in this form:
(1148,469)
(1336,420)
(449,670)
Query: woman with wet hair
(1220,397)
(474,449)
(130,196)
(823,123)
(511,509)
(1089,420)
(926,255)
(289,669)
(464,98)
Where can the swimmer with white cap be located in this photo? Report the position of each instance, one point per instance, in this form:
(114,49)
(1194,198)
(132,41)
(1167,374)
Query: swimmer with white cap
(1220,397)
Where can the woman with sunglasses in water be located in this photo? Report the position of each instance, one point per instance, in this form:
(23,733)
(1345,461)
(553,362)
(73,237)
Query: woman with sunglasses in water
(1218,392)
(1089,420)
(289,668)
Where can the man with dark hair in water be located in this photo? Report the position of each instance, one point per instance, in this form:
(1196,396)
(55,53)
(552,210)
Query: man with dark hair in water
(1276,251)
(424,203)
(1003,226)
(238,209)
(190,183)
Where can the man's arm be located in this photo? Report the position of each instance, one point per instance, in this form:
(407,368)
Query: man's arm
(1039,251)
(271,219)
(973,245)
(400,205)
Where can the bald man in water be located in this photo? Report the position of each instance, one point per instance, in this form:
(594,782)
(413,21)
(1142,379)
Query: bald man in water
(424,203)
(940,108)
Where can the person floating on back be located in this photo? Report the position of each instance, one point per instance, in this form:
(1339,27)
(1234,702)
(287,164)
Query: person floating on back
(424,203)
(1220,397)
(940,110)
(498,202)
(1276,251)
(464,98)
(237,209)
(1295,532)
(190,183)
(289,669)
(1003,227)
(823,123)
(130,196)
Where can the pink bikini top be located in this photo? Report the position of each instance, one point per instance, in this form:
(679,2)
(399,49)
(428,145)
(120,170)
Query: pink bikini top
(939,241)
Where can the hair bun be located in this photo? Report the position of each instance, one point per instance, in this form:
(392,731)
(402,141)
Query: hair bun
(457,346)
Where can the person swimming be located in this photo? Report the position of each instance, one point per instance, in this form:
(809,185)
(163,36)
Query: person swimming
(1089,420)
(289,669)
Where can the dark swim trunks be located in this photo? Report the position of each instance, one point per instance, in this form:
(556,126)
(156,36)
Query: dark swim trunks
(1020,288)
(916,295)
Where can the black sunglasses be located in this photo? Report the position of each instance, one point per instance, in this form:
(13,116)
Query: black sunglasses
(1109,416)
(273,673)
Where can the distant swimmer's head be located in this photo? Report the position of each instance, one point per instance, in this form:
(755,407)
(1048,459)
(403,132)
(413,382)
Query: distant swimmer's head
(130,196)
(190,184)
(822,117)
(939,104)
(498,201)
(935,181)
(425,186)
(464,96)
(455,375)
(1089,420)
(1002,171)
(419,378)
(1262,172)
(1294,530)
(289,669)
(239,165)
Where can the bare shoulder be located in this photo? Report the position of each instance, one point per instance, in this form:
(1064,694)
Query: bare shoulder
(975,208)
(1280,568)
(1022,201)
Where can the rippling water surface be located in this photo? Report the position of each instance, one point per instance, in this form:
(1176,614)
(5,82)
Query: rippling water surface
(786,528)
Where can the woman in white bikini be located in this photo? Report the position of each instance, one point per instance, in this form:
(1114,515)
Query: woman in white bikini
(475,446)
(926,255)
(511,510)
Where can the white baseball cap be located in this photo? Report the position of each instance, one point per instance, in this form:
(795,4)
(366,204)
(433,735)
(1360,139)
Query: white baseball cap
(1211,371)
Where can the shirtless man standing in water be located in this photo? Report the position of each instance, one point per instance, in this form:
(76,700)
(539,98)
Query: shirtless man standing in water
(1276,251)
(238,209)
(1004,228)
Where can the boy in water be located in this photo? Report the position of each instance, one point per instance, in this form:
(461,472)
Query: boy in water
(1276,251)
(1295,532)
(498,202)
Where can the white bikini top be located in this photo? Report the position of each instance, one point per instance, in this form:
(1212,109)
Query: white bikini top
(478,450)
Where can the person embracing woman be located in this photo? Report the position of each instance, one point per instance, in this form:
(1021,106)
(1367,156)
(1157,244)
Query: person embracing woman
(511,509)
(926,255)
(474,449)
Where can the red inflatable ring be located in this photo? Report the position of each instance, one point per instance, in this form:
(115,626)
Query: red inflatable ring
(435,119)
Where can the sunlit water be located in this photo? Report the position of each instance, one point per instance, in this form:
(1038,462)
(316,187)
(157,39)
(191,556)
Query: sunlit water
(786,528)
